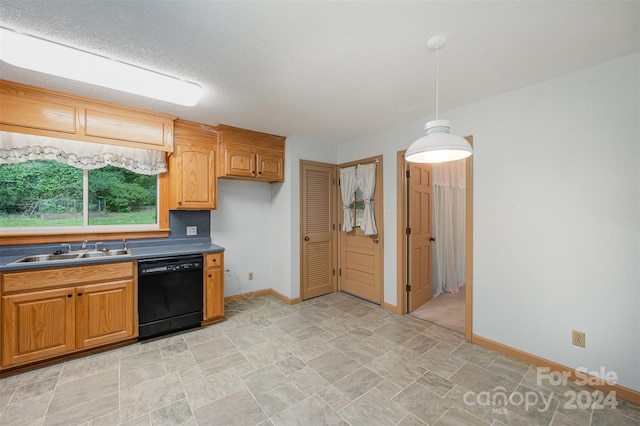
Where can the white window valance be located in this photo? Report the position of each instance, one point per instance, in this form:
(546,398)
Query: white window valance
(20,148)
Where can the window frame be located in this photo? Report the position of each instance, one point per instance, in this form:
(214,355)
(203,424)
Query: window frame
(55,236)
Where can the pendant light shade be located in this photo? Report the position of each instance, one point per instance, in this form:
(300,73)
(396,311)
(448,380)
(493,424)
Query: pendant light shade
(438,145)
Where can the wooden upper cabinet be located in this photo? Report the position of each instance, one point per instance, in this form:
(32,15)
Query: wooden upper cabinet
(270,166)
(245,154)
(192,167)
(31,110)
(239,161)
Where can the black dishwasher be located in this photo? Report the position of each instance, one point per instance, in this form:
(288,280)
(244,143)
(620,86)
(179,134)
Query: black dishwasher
(169,295)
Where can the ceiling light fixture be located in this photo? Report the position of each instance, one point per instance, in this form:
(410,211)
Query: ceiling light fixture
(438,145)
(48,57)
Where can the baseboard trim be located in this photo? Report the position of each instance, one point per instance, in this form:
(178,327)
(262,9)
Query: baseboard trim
(260,293)
(284,298)
(393,308)
(595,382)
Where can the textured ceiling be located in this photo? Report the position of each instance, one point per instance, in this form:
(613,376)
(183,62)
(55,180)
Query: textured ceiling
(333,71)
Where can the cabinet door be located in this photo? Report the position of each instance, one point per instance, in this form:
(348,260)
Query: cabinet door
(37,325)
(193,176)
(270,166)
(104,313)
(239,162)
(214,295)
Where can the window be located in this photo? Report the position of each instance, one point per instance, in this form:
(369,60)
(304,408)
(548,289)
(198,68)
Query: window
(45,194)
(358,208)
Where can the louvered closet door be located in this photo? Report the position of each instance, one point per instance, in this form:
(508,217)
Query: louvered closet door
(317,229)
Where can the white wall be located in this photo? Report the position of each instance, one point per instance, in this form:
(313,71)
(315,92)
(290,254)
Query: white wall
(241,225)
(557,218)
(556,215)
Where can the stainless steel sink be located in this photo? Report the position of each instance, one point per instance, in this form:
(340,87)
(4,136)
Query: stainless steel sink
(105,253)
(48,257)
(74,255)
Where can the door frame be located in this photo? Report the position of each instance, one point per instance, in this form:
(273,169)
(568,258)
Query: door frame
(402,246)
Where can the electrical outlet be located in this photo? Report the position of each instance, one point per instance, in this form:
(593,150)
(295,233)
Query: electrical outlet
(250,276)
(192,230)
(577,338)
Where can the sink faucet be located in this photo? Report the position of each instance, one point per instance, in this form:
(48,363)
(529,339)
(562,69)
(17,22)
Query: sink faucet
(124,244)
(95,246)
(84,245)
(68,246)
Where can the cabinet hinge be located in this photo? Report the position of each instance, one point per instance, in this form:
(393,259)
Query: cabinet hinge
(333,271)
(340,271)
(407,231)
(408,174)
(333,227)
(408,287)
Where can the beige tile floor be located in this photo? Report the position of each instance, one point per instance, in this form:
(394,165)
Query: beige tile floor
(331,360)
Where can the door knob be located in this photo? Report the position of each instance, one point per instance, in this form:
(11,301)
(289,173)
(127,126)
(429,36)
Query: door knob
(376,240)
(432,238)
(306,238)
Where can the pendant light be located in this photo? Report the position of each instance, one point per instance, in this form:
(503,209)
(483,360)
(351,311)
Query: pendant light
(438,145)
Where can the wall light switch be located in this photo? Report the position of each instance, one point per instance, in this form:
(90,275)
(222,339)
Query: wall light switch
(192,230)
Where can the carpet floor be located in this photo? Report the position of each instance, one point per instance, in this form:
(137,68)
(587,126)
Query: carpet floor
(447,310)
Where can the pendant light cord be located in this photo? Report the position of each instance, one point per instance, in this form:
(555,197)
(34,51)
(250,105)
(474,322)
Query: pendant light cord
(437,83)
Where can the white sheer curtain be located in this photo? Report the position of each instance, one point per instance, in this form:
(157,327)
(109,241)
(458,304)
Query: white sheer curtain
(20,148)
(449,206)
(366,174)
(348,186)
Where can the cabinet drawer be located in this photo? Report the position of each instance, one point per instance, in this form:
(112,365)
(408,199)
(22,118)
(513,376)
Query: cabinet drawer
(214,260)
(57,277)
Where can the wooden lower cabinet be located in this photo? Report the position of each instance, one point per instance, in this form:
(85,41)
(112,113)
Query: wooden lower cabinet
(40,324)
(104,313)
(214,287)
(37,325)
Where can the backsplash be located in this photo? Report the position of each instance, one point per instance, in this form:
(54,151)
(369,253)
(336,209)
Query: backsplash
(178,222)
(180,219)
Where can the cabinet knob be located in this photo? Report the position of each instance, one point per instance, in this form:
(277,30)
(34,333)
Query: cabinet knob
(179,203)
(69,295)
(80,294)
(209,275)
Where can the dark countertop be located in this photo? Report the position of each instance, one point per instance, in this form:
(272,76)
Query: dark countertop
(137,253)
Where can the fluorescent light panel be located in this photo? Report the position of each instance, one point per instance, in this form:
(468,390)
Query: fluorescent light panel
(53,58)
